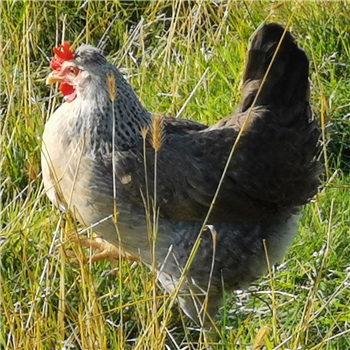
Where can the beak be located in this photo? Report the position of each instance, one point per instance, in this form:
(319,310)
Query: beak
(53,78)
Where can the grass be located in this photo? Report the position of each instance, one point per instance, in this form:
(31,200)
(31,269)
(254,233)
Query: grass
(50,298)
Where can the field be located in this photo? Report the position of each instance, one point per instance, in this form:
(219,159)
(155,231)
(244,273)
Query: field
(50,297)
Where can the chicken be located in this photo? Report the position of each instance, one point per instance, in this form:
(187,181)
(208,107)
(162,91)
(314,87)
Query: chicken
(93,160)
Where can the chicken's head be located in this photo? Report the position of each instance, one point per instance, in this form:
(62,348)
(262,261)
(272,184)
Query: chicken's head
(71,70)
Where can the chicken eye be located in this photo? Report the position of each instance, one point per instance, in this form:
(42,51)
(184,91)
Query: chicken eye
(74,70)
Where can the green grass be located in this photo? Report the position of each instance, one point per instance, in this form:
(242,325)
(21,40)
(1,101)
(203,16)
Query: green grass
(51,299)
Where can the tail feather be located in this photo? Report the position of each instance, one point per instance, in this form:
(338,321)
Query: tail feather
(287,79)
(275,159)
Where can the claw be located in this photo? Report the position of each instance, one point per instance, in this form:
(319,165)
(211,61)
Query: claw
(103,250)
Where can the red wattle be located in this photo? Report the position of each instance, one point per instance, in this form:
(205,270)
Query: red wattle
(68,92)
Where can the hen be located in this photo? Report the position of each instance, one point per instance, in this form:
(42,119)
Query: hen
(272,172)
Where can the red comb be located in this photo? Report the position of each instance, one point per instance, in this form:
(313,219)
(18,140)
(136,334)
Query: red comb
(61,55)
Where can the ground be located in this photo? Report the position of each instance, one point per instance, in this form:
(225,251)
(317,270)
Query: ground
(50,297)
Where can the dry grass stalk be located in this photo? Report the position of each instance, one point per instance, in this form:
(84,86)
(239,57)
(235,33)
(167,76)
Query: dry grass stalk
(157,132)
